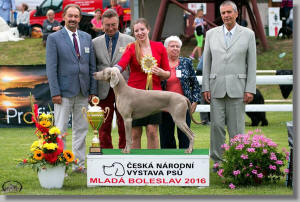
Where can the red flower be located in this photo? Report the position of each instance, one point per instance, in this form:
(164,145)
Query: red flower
(25,161)
(51,157)
(60,145)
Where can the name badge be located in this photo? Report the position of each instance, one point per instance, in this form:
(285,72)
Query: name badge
(86,49)
(178,73)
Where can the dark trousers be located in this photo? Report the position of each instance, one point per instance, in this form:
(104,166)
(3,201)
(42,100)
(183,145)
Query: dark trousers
(24,29)
(166,132)
(105,129)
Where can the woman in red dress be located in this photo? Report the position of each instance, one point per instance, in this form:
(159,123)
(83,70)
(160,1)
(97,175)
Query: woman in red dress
(132,56)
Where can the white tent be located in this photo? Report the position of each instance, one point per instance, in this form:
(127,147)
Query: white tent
(7,33)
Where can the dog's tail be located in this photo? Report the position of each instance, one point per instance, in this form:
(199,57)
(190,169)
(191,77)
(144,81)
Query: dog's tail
(191,115)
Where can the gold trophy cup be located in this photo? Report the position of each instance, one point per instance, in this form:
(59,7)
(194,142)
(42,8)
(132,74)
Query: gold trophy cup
(95,117)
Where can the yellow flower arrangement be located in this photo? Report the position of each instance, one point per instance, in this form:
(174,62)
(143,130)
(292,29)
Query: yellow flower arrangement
(48,149)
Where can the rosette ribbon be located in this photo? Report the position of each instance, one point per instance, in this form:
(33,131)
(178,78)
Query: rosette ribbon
(147,63)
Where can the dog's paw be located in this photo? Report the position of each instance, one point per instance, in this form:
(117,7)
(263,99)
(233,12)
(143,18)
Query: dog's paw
(125,151)
(188,151)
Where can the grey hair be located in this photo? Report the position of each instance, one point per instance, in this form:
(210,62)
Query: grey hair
(50,11)
(172,38)
(231,3)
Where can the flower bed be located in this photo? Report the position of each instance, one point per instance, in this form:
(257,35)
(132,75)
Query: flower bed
(251,159)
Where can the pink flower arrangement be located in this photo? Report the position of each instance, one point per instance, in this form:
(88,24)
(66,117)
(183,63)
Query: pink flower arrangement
(251,159)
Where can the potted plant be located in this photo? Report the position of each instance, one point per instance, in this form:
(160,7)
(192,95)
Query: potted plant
(251,159)
(47,156)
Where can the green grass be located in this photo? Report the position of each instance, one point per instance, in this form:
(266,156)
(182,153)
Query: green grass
(15,142)
(25,52)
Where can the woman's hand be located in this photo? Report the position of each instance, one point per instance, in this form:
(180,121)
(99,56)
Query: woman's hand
(162,74)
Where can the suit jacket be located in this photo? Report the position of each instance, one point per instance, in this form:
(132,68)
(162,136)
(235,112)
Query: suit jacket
(103,60)
(68,75)
(229,70)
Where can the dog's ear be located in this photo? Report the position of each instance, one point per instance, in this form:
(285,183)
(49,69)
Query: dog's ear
(114,79)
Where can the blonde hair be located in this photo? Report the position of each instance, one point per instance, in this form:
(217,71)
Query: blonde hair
(138,51)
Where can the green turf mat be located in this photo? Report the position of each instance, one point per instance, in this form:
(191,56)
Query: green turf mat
(155,152)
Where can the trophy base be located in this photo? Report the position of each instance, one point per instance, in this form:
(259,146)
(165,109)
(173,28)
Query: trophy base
(95,151)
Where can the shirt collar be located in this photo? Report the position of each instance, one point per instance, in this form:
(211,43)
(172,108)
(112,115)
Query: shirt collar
(70,32)
(114,37)
(232,30)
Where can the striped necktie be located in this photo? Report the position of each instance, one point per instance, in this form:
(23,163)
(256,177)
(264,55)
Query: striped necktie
(110,48)
(76,45)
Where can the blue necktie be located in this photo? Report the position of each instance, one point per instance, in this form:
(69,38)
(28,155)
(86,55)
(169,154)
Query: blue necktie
(228,38)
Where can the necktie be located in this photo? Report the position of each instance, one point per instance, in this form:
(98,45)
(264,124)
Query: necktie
(228,38)
(76,45)
(110,47)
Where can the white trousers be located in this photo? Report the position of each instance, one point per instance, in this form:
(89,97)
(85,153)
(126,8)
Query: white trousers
(62,112)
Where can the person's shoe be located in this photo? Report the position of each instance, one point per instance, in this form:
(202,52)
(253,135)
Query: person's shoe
(192,57)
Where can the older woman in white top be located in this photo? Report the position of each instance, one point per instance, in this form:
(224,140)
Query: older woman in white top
(23,21)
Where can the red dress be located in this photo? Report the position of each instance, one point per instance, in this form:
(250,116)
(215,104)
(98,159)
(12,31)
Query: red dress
(137,78)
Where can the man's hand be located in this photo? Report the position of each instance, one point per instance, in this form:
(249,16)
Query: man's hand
(206,95)
(193,107)
(56,28)
(57,99)
(90,98)
(248,97)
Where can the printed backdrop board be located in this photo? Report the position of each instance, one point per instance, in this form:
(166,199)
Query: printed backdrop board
(16,84)
(151,167)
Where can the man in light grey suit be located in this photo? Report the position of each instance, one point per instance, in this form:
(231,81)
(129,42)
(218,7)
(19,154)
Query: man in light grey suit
(229,77)
(70,64)
(109,49)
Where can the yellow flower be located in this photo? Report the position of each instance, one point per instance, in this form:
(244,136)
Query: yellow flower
(50,146)
(69,156)
(45,116)
(54,130)
(36,145)
(45,123)
(38,155)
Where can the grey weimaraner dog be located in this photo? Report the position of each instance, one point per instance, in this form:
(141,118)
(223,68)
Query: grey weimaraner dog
(134,103)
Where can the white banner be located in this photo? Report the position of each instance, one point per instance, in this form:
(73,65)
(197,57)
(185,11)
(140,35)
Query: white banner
(274,21)
(147,170)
